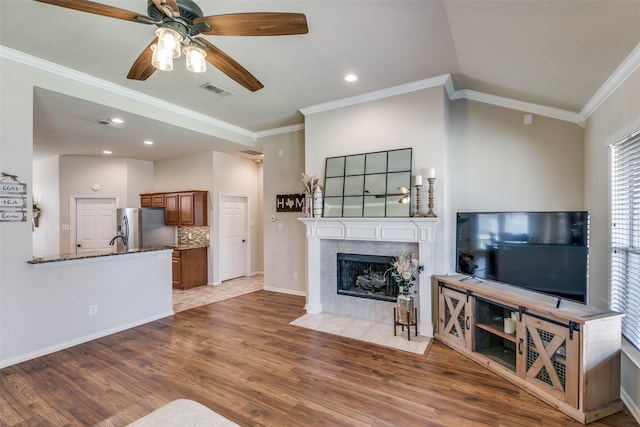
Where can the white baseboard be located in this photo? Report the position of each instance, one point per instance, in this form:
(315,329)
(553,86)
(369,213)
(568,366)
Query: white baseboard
(61,346)
(631,405)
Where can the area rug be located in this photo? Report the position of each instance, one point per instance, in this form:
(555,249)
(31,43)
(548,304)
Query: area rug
(183,413)
(363,330)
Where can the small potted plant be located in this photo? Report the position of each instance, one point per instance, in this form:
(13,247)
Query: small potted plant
(35,211)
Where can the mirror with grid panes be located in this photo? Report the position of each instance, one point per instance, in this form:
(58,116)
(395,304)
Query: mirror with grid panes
(372,185)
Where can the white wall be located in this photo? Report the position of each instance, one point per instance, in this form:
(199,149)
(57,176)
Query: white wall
(497,163)
(416,120)
(617,116)
(46,190)
(284,239)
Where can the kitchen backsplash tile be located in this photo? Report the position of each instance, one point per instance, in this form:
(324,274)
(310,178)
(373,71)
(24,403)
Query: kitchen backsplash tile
(193,235)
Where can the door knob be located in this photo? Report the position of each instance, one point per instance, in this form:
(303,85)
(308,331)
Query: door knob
(79,245)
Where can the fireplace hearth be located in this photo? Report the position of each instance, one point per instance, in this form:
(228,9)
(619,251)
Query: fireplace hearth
(363,276)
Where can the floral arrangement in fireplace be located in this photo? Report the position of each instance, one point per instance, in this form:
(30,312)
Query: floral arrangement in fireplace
(404,269)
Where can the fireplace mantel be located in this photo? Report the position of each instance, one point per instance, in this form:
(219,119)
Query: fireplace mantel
(384,229)
(419,230)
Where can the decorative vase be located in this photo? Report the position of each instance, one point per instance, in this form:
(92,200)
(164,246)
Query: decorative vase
(405,309)
(308,205)
(317,202)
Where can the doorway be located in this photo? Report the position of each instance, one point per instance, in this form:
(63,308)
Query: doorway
(233,236)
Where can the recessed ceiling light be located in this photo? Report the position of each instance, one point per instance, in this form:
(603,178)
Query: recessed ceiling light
(147,142)
(106,152)
(350,78)
(116,120)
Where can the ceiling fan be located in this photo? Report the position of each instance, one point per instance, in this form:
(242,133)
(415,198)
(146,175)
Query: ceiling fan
(180,21)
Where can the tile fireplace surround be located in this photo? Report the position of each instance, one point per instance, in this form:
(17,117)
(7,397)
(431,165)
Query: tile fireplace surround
(370,236)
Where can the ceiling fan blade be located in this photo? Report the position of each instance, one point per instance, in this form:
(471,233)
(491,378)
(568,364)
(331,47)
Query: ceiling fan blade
(99,9)
(174,12)
(142,68)
(255,24)
(230,67)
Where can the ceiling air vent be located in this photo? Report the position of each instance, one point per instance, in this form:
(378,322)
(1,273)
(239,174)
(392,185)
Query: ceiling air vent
(216,89)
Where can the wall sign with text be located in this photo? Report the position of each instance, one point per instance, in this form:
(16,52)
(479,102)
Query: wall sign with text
(289,202)
(13,199)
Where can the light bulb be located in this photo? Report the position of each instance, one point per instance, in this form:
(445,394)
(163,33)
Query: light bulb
(169,40)
(195,59)
(161,59)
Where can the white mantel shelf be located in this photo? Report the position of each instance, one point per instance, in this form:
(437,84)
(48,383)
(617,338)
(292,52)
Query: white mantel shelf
(420,230)
(414,229)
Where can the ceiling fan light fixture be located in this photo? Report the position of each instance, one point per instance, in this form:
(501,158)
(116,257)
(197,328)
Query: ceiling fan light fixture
(161,59)
(169,40)
(195,59)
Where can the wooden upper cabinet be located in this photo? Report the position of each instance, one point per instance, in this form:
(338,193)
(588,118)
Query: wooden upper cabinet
(183,208)
(171,209)
(193,208)
(152,200)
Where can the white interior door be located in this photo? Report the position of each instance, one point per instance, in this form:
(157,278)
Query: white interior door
(95,224)
(233,240)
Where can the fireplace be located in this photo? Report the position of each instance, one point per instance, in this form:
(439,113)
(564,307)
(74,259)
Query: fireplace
(326,237)
(364,276)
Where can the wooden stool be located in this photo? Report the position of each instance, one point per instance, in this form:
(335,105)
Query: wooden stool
(411,321)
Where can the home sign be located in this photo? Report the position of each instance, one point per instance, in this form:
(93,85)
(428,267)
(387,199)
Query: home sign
(13,199)
(289,202)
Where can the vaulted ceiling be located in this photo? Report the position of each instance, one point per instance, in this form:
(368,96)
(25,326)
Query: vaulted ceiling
(553,53)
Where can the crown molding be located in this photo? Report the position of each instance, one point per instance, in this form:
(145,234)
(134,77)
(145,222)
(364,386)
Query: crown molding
(514,104)
(59,70)
(280,130)
(453,94)
(619,76)
(378,94)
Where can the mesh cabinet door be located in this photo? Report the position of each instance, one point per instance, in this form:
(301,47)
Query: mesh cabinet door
(543,355)
(454,318)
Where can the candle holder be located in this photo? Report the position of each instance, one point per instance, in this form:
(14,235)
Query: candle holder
(418,200)
(430,214)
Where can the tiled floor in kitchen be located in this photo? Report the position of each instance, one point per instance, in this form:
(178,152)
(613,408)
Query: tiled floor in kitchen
(203,295)
(337,325)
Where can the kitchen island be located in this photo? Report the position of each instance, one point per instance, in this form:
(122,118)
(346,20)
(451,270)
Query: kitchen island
(77,298)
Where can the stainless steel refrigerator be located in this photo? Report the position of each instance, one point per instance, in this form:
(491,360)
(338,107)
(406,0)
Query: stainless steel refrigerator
(143,227)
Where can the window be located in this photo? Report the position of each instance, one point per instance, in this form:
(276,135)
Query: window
(625,234)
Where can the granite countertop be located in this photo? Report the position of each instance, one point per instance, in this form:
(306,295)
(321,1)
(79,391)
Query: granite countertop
(187,246)
(114,252)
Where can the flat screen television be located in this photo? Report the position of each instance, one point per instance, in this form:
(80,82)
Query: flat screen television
(546,252)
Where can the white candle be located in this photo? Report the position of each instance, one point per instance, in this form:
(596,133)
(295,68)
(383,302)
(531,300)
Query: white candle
(432,173)
(418,179)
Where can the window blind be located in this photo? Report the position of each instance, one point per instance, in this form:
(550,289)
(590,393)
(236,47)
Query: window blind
(625,234)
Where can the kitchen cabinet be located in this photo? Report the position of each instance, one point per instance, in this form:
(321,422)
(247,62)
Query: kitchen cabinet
(181,208)
(189,268)
(565,353)
(152,200)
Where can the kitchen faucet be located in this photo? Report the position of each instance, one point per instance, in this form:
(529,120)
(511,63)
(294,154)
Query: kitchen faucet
(124,240)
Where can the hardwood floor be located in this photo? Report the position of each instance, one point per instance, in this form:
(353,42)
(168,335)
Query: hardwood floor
(241,358)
